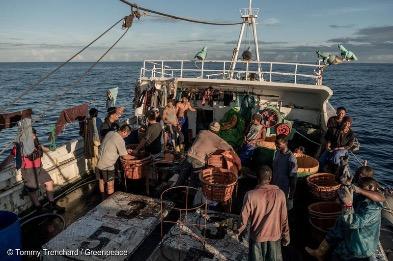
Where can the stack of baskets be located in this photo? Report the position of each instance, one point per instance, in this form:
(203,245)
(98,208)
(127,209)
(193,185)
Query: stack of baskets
(306,165)
(323,216)
(218,184)
(134,168)
(323,185)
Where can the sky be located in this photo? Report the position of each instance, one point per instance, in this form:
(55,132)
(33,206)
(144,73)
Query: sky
(53,30)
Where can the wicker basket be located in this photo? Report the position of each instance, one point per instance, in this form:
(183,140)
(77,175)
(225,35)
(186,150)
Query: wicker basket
(306,164)
(217,184)
(323,185)
(324,209)
(319,227)
(133,169)
(216,160)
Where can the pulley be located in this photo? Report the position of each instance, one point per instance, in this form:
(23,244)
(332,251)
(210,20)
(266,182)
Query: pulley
(127,22)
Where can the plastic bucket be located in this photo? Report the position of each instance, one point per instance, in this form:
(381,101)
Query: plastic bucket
(10,236)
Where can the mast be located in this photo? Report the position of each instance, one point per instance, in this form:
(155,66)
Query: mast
(249,16)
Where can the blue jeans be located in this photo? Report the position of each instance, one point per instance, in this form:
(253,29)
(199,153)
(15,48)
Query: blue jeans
(246,153)
(331,157)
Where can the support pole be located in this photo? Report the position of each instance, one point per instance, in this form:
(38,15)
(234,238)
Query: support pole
(254,27)
(234,60)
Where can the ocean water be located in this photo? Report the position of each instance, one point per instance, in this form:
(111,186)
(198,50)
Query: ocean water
(366,90)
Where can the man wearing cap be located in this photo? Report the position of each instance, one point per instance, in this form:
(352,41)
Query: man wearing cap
(206,143)
(110,122)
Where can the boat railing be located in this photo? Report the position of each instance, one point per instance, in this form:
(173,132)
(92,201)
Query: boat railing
(297,73)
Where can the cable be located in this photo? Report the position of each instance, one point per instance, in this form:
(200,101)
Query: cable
(57,68)
(67,88)
(45,215)
(177,17)
(307,138)
(356,158)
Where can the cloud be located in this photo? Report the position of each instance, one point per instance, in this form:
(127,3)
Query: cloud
(271,22)
(335,26)
(341,11)
(370,35)
(196,40)
(277,42)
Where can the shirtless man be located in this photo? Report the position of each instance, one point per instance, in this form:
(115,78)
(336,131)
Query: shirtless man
(172,124)
(181,111)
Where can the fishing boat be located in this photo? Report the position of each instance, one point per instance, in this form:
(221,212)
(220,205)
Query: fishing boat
(165,222)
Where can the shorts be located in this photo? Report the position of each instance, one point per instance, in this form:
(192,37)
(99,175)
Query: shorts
(106,175)
(34,175)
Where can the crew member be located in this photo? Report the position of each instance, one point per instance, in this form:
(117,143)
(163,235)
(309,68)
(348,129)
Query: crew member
(338,142)
(265,208)
(355,235)
(181,110)
(151,141)
(285,169)
(205,144)
(34,176)
(111,148)
(334,122)
(110,122)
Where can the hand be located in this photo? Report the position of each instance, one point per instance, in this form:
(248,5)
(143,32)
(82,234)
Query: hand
(345,193)
(347,181)
(356,189)
(284,242)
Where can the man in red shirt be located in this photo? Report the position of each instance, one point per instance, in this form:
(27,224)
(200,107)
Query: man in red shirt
(265,208)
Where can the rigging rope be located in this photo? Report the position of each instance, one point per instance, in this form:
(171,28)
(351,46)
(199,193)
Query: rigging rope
(177,17)
(68,87)
(2,108)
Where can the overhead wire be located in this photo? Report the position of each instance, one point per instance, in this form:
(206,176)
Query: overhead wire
(32,86)
(192,20)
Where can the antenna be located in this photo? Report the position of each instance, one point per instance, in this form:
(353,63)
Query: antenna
(249,16)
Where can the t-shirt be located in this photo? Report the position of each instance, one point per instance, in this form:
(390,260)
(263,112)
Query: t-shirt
(254,133)
(284,167)
(112,147)
(205,144)
(340,139)
(265,208)
(153,138)
(107,127)
(333,124)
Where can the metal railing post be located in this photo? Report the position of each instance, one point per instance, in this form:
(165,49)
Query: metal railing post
(270,74)
(223,75)
(181,69)
(153,71)
(162,69)
(246,71)
(295,72)
(202,67)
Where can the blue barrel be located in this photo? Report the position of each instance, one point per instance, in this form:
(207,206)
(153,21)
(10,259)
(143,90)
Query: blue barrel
(10,236)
